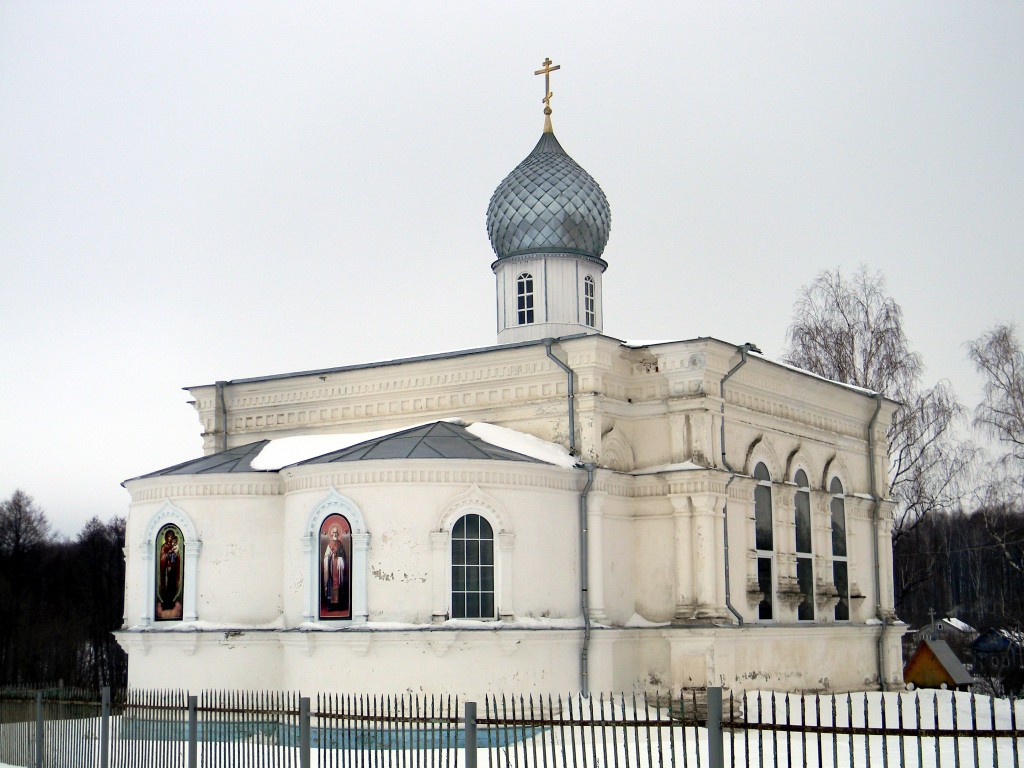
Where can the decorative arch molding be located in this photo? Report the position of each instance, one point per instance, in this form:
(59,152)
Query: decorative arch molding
(616,452)
(760,451)
(472,500)
(336,503)
(169,514)
(836,467)
(797,460)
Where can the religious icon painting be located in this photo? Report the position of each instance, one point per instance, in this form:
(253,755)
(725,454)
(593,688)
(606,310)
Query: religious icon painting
(335,568)
(170,573)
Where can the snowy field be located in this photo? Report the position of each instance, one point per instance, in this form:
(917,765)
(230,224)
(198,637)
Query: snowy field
(649,744)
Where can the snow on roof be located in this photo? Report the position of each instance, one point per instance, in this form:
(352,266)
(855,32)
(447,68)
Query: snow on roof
(813,375)
(795,368)
(636,620)
(957,624)
(684,466)
(520,442)
(647,343)
(285,451)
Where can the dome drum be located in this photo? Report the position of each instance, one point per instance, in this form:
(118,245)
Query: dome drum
(551,253)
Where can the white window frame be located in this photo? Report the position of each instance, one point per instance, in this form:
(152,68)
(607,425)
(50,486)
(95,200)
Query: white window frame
(807,556)
(473,501)
(481,562)
(525,298)
(590,301)
(766,554)
(841,496)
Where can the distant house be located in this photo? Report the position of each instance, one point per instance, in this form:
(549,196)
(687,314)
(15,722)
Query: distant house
(948,629)
(934,665)
(999,655)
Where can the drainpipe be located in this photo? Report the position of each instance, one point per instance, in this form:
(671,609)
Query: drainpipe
(584,549)
(874,549)
(571,386)
(744,350)
(584,579)
(223,414)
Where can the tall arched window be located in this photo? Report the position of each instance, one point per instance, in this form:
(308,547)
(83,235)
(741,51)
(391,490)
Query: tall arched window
(170,574)
(589,301)
(840,564)
(764,542)
(524,299)
(335,554)
(804,556)
(472,568)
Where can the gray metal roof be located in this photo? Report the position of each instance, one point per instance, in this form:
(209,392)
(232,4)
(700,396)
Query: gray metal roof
(950,662)
(548,204)
(396,361)
(440,440)
(238,459)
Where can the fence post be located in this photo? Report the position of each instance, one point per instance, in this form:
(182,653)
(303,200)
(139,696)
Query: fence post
(304,745)
(193,729)
(716,751)
(470,734)
(39,729)
(105,727)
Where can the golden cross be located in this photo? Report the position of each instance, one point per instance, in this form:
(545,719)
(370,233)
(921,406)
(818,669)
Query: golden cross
(548,69)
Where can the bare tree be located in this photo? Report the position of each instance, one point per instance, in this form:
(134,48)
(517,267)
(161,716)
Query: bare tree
(999,358)
(23,525)
(24,532)
(851,330)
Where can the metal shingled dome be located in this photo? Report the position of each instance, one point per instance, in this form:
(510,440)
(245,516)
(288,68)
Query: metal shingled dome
(548,204)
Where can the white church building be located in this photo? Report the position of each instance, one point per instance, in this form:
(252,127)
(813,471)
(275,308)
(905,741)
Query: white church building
(562,511)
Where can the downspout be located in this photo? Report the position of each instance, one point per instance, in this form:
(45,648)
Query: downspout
(874,549)
(570,401)
(748,347)
(584,579)
(222,403)
(583,528)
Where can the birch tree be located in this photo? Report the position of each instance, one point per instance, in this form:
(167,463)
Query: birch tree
(999,358)
(849,329)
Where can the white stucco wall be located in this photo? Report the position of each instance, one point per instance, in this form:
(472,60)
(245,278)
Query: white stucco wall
(657,537)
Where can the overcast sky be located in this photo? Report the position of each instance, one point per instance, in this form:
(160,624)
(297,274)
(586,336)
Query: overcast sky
(202,191)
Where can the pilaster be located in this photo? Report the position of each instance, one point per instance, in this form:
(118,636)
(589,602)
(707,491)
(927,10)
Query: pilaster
(360,555)
(595,556)
(439,561)
(506,542)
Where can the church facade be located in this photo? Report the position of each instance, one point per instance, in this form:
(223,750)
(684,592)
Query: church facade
(561,511)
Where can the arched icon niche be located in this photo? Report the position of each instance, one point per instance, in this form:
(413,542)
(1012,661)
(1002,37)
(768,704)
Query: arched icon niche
(170,574)
(335,567)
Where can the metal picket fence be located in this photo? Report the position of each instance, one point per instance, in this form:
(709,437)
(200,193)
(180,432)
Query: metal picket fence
(691,729)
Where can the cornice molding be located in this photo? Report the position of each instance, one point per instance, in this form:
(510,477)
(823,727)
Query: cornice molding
(432,471)
(191,486)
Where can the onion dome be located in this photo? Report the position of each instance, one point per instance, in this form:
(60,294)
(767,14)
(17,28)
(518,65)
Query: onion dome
(548,204)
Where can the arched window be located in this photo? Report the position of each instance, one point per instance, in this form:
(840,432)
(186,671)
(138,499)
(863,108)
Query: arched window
(472,568)
(589,301)
(170,574)
(840,564)
(524,299)
(335,554)
(764,542)
(804,556)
